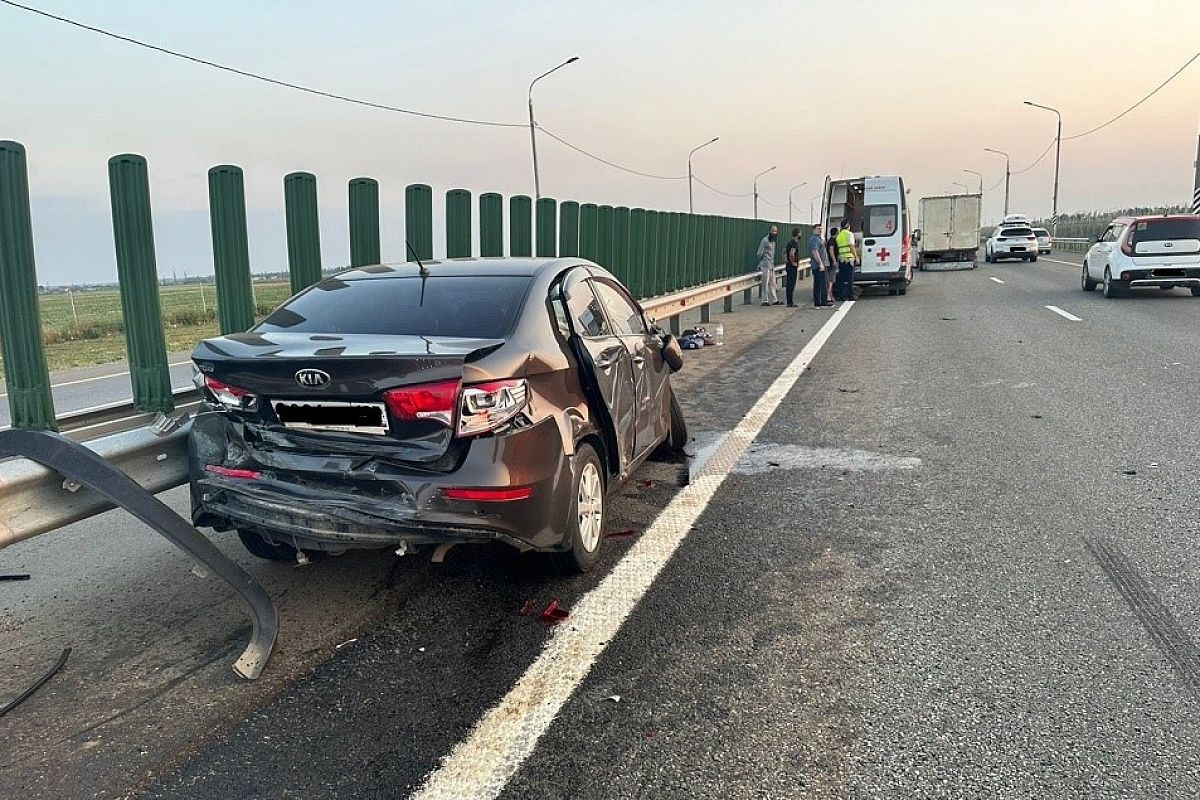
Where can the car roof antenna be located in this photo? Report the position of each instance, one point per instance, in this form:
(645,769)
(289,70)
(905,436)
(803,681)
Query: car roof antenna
(424,270)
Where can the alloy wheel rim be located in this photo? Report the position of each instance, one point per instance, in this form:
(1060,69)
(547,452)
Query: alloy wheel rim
(590,504)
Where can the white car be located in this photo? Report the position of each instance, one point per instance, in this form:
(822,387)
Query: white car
(1137,252)
(1013,240)
(1043,239)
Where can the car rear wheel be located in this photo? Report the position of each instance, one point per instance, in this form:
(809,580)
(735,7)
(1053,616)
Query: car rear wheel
(586,525)
(1033,257)
(1195,291)
(1111,288)
(1085,280)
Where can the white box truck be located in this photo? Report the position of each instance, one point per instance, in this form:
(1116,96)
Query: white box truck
(949,231)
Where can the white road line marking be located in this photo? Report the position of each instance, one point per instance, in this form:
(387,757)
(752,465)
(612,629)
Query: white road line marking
(1068,263)
(1065,314)
(96,378)
(997,280)
(481,765)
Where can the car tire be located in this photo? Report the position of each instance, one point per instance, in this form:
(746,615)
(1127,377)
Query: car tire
(585,526)
(1033,258)
(1085,280)
(1110,289)
(1195,291)
(677,438)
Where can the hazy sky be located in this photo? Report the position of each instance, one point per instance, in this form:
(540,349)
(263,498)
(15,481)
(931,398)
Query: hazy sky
(909,88)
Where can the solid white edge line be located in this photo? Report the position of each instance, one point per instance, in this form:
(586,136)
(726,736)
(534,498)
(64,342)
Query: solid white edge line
(480,766)
(1056,261)
(1065,314)
(997,280)
(97,378)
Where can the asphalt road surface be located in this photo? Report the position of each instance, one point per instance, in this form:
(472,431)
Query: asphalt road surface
(944,548)
(89,387)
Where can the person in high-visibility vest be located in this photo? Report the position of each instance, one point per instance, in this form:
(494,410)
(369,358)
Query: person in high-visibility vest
(847,252)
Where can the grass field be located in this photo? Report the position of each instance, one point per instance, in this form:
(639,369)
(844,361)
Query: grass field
(81,329)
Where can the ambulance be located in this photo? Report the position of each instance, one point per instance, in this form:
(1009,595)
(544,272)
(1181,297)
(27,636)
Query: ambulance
(877,208)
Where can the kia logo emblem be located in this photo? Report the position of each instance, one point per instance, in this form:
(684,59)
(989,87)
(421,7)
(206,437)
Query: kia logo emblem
(312,378)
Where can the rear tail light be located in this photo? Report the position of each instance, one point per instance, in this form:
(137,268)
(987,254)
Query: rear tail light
(230,396)
(227,472)
(469,410)
(1127,247)
(429,402)
(488,406)
(503,495)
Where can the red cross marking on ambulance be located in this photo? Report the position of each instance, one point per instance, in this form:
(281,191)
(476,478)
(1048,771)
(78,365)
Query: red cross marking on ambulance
(884,254)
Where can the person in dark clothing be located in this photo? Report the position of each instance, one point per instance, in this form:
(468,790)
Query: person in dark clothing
(791,267)
(819,261)
(831,249)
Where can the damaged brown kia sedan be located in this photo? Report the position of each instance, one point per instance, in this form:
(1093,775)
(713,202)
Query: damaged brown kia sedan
(403,405)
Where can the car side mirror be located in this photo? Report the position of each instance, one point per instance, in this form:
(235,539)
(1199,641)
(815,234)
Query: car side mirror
(672,353)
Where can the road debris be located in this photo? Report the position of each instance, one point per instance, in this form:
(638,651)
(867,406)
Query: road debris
(848,391)
(343,644)
(33,687)
(529,609)
(1035,416)
(1129,472)
(553,613)
(622,534)
(615,698)
(22,576)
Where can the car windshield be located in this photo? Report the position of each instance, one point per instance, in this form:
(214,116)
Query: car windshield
(1016,232)
(1160,230)
(1040,232)
(472,306)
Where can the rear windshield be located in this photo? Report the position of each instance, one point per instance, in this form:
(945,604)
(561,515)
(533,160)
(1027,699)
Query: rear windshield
(1040,232)
(881,221)
(1026,232)
(472,306)
(1159,230)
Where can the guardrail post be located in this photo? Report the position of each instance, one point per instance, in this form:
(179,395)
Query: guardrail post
(568,228)
(418,221)
(458,223)
(364,222)
(547,239)
(303,229)
(491,224)
(27,381)
(589,231)
(520,226)
(231,253)
(637,252)
(620,244)
(137,279)
(604,237)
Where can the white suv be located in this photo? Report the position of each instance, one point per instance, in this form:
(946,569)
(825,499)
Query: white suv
(1136,252)
(1011,240)
(1044,241)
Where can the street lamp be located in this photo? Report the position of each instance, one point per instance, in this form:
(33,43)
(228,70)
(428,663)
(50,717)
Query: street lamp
(694,149)
(978,175)
(1007,174)
(756,177)
(1057,155)
(963,185)
(537,186)
(794,188)
(812,215)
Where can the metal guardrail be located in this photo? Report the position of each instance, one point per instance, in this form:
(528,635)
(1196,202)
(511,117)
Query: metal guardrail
(1071,245)
(152,448)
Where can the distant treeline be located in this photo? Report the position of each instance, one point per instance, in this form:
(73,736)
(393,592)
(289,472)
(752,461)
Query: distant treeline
(1091,225)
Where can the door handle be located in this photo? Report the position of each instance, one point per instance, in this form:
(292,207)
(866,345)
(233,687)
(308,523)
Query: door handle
(639,360)
(868,241)
(604,362)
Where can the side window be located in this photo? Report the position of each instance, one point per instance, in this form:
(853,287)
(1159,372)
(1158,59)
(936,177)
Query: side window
(585,311)
(625,316)
(1109,234)
(1117,230)
(558,309)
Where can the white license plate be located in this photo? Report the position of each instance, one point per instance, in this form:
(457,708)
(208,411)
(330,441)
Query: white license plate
(326,415)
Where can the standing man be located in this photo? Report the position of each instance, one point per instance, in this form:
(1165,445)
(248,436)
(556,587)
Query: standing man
(847,251)
(791,257)
(766,263)
(819,261)
(831,251)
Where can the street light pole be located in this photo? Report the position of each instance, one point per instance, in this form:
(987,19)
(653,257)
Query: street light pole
(1007,174)
(978,175)
(537,184)
(692,210)
(794,188)
(756,177)
(963,185)
(1057,158)
(1196,185)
